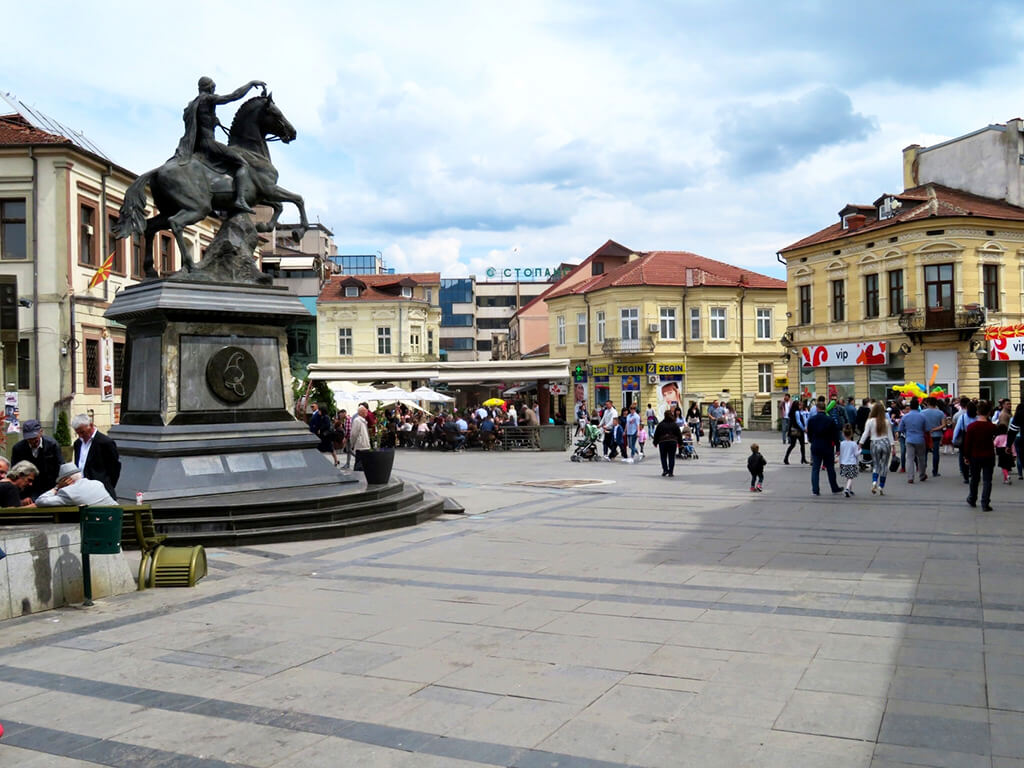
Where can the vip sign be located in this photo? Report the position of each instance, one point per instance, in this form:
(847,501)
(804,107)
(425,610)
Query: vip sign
(835,355)
(1006,349)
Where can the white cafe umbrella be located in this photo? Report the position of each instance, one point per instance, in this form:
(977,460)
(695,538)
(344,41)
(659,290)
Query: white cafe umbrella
(431,396)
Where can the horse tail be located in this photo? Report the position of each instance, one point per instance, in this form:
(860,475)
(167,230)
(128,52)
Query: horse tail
(132,220)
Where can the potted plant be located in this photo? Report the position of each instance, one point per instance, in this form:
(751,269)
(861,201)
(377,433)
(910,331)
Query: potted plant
(377,462)
(62,434)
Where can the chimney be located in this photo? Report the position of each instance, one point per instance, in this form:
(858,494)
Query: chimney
(855,221)
(910,178)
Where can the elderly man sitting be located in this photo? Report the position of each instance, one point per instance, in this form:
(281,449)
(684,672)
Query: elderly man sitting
(74,490)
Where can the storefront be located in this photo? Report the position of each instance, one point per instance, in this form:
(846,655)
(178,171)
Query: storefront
(845,370)
(656,383)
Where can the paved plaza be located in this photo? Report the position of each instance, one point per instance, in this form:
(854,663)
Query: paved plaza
(633,620)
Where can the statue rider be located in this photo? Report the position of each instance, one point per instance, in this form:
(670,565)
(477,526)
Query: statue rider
(200,122)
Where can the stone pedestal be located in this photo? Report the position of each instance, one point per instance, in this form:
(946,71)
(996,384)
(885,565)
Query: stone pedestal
(206,404)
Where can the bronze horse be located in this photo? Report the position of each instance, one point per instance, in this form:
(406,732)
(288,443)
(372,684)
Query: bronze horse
(186,194)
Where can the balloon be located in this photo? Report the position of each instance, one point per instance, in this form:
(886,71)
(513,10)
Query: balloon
(935,372)
(913,389)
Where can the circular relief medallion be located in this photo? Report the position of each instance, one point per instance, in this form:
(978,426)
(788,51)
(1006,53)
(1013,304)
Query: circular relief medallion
(232,375)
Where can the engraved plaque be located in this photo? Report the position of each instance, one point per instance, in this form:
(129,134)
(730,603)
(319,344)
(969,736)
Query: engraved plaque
(286,460)
(202,465)
(246,462)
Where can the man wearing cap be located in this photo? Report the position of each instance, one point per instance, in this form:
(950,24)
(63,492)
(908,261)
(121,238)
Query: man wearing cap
(42,451)
(74,490)
(96,454)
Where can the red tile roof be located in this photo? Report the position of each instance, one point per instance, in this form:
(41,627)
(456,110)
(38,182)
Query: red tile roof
(609,249)
(15,129)
(377,286)
(672,268)
(924,202)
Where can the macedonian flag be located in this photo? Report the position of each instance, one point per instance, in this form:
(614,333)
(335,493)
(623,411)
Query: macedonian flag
(103,272)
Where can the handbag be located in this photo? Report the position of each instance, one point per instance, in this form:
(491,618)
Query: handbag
(795,432)
(894,464)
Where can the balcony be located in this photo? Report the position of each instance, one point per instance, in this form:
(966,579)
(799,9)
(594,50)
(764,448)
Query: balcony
(641,346)
(962,320)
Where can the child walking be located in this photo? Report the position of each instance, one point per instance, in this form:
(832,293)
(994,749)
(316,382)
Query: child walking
(1005,457)
(756,464)
(641,441)
(848,453)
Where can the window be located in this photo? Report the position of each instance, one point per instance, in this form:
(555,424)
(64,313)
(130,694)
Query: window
(450,320)
(838,301)
(597,268)
(299,341)
(764,323)
(430,341)
(13,241)
(938,287)
(383,341)
(718,323)
(871,296)
(166,255)
(138,243)
(581,327)
(492,323)
(458,290)
(115,246)
(87,235)
(483,345)
(345,341)
(92,363)
(414,341)
(764,378)
(118,364)
(428,295)
(990,284)
(805,304)
(668,323)
(458,344)
(496,301)
(895,278)
(600,327)
(695,323)
(351,291)
(406,292)
(25,364)
(560,324)
(630,322)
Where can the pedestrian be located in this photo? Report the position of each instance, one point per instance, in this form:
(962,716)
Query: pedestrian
(632,430)
(1016,435)
(755,465)
(641,440)
(1004,452)
(667,437)
(849,455)
(785,411)
(693,419)
(935,425)
(652,420)
(617,435)
(824,438)
(979,450)
(878,430)
(677,414)
(966,417)
(96,454)
(605,424)
(914,427)
(797,431)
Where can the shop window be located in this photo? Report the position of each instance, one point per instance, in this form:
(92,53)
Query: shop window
(895,277)
(871,296)
(602,393)
(805,304)
(993,384)
(838,301)
(764,378)
(13,240)
(807,381)
(882,379)
(840,381)
(990,285)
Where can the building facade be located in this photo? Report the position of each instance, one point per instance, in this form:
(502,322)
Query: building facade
(58,200)
(379,318)
(670,326)
(475,315)
(925,285)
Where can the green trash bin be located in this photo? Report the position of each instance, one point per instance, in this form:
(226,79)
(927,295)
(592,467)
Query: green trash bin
(101,535)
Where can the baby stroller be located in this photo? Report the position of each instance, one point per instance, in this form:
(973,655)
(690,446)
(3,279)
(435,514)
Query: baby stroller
(586,446)
(722,435)
(866,462)
(688,452)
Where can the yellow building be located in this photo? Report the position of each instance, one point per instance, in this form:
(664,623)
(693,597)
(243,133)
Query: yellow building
(911,285)
(379,318)
(670,325)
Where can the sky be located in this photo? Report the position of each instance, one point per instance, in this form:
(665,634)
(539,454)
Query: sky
(457,136)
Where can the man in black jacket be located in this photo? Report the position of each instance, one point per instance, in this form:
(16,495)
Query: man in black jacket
(96,454)
(42,451)
(667,437)
(824,437)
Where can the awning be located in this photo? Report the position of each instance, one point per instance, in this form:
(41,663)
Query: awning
(519,388)
(468,372)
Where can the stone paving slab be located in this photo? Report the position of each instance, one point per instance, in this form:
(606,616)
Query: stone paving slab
(643,621)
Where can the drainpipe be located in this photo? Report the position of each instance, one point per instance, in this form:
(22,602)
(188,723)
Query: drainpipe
(685,322)
(102,222)
(743,356)
(35,282)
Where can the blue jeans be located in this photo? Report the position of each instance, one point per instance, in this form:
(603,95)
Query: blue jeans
(785,431)
(817,461)
(631,439)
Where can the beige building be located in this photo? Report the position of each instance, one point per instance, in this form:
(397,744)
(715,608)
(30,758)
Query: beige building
(379,318)
(58,199)
(926,281)
(669,326)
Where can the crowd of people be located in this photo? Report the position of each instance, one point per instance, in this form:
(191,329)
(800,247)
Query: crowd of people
(906,435)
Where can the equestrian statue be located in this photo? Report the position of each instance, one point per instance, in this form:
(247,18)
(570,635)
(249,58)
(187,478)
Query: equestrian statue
(206,177)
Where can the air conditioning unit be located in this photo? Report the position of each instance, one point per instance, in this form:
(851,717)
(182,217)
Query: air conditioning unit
(652,378)
(652,327)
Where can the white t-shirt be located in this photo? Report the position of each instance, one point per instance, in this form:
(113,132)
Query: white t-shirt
(849,452)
